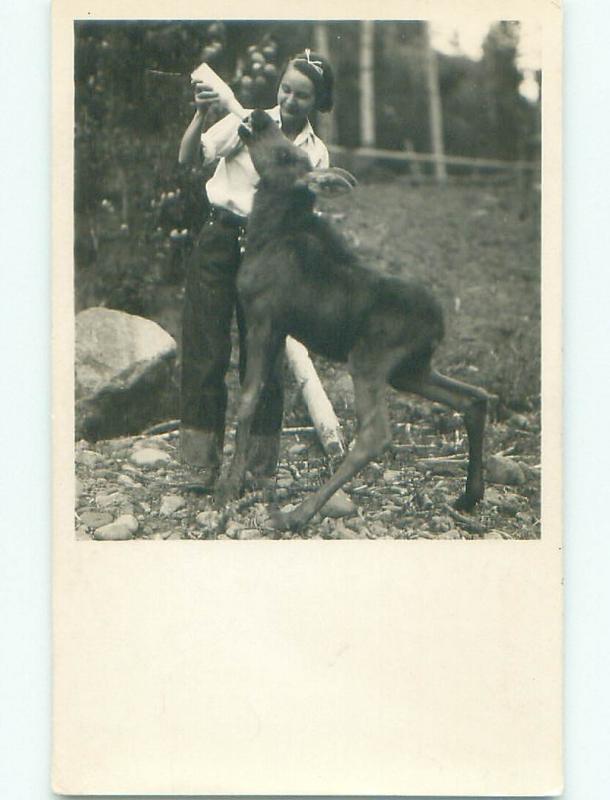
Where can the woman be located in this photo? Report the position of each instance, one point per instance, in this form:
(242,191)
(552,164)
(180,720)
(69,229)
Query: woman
(305,86)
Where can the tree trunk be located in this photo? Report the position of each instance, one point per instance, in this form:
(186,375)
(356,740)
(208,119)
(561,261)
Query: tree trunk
(434,108)
(326,122)
(367,84)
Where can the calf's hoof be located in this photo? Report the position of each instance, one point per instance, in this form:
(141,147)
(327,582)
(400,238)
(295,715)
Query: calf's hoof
(467,501)
(283,521)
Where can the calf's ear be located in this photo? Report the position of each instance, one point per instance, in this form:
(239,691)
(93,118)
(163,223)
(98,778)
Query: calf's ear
(330,182)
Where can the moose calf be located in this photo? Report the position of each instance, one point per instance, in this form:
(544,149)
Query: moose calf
(300,278)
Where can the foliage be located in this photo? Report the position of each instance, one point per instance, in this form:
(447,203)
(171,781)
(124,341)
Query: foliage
(137,211)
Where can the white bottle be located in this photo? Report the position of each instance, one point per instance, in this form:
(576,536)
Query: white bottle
(205,74)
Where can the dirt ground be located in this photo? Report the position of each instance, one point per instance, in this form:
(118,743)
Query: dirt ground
(468,243)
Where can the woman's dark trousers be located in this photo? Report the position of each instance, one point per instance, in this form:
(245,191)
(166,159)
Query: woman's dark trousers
(209,303)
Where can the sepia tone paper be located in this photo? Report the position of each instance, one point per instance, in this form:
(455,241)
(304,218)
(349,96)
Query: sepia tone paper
(331,667)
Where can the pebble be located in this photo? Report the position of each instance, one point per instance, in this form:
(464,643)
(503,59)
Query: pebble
(500,469)
(87,458)
(339,505)
(327,529)
(109,500)
(377,530)
(95,519)
(453,533)
(129,520)
(170,503)
(284,483)
(518,421)
(149,457)
(424,501)
(297,449)
(493,495)
(113,532)
(509,504)
(209,519)
(232,529)
(493,535)
(391,475)
(249,533)
(342,532)
(78,488)
(82,534)
(125,480)
(439,524)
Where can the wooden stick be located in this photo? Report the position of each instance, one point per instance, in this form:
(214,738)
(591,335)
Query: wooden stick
(319,406)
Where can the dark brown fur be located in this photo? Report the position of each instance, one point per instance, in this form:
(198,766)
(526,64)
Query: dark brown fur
(300,278)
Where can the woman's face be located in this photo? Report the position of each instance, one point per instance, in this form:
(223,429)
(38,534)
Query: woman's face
(296,98)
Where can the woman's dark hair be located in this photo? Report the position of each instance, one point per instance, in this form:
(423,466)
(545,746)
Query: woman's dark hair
(319,71)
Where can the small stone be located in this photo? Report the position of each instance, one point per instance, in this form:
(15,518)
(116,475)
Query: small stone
(113,532)
(125,480)
(95,519)
(343,532)
(453,533)
(210,520)
(175,535)
(129,520)
(327,529)
(170,503)
(391,475)
(249,533)
(493,495)
(424,501)
(509,504)
(82,534)
(502,470)
(339,505)
(121,443)
(110,500)
(158,443)
(377,530)
(524,518)
(518,421)
(87,458)
(232,529)
(531,473)
(78,488)
(297,449)
(284,483)
(149,458)
(493,535)
(439,524)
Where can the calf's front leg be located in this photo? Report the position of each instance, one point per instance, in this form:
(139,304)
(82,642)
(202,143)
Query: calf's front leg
(262,348)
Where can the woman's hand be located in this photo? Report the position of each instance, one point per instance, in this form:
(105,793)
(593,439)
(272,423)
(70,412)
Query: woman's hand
(204,96)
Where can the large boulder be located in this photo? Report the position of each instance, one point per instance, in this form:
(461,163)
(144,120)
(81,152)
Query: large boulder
(125,374)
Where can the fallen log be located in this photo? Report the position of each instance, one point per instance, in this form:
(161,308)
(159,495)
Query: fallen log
(319,406)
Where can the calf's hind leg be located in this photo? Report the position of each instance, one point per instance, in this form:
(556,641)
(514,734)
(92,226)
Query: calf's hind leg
(471,402)
(373,437)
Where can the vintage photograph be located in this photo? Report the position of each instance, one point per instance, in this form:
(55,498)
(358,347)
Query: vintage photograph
(307,279)
(307,379)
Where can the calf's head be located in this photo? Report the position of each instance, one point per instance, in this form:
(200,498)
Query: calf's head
(281,165)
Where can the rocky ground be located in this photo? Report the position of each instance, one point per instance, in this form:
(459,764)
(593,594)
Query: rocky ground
(468,243)
(133,487)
